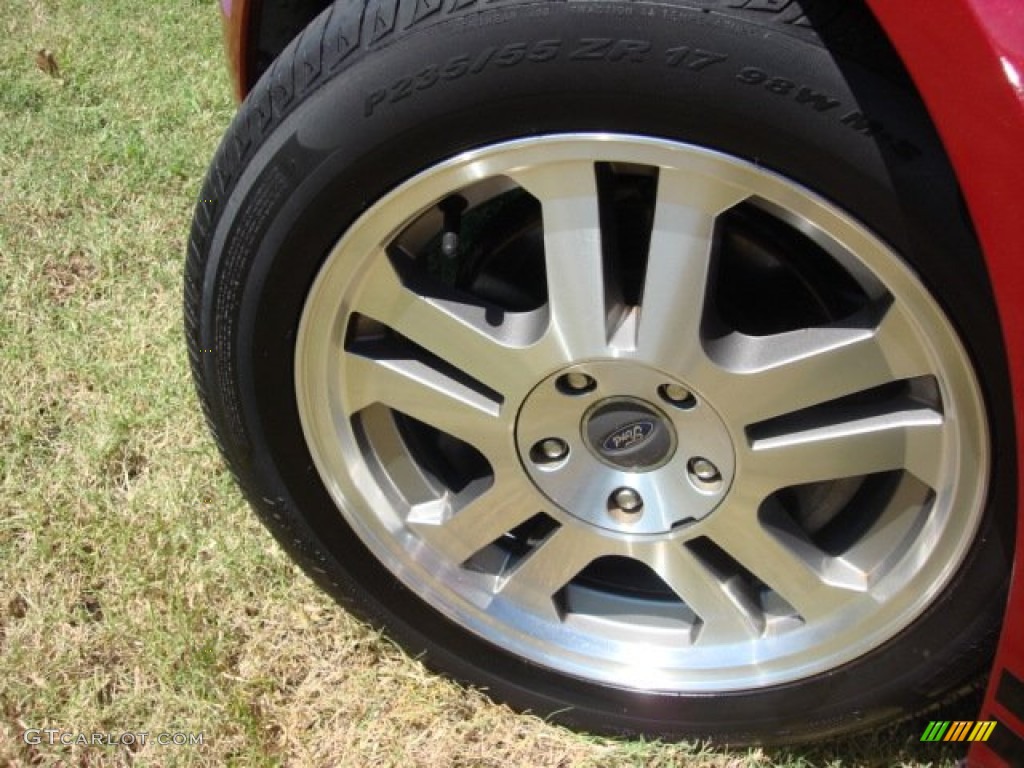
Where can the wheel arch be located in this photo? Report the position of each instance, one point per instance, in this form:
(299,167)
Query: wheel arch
(256,31)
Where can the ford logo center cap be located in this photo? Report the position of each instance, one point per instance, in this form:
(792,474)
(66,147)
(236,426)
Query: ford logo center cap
(629,434)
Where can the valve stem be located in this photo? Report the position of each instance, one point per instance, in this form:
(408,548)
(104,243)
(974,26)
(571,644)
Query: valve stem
(452,208)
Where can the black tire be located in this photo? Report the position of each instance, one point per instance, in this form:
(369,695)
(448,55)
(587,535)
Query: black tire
(372,94)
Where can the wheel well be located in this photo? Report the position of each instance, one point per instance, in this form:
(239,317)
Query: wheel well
(272,25)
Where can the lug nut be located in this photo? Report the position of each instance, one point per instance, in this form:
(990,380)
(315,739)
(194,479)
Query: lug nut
(626,500)
(704,472)
(576,383)
(550,450)
(677,395)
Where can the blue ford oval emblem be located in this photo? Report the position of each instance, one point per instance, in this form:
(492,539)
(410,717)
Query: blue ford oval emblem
(628,436)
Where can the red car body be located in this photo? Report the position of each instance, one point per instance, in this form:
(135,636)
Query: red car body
(967,60)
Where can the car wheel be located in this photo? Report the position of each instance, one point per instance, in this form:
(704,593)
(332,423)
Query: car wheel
(633,361)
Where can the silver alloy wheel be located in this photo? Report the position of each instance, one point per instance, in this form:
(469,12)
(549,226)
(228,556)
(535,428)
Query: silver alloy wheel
(642,495)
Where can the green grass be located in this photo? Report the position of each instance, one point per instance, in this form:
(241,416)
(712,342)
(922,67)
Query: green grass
(137,592)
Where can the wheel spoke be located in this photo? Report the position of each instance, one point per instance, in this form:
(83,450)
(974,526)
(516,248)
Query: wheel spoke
(419,390)
(458,332)
(893,534)
(679,262)
(898,438)
(474,518)
(815,584)
(574,262)
(553,564)
(726,614)
(773,375)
